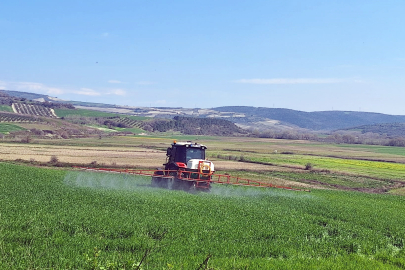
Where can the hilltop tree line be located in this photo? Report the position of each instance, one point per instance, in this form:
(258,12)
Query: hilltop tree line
(195,126)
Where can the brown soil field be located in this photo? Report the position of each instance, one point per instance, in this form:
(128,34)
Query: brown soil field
(137,157)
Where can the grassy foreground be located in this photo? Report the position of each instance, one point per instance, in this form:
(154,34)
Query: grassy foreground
(56,219)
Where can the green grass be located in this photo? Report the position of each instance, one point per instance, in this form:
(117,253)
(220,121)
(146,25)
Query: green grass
(93,113)
(399,191)
(377,148)
(55,219)
(133,130)
(140,118)
(6,128)
(5,108)
(329,179)
(83,112)
(362,167)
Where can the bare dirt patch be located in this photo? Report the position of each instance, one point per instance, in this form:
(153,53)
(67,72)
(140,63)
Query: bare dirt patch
(139,157)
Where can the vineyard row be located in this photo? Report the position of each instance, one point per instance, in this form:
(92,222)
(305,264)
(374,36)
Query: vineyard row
(5,117)
(35,110)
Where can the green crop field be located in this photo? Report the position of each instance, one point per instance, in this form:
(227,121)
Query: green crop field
(5,108)
(133,130)
(133,117)
(83,112)
(5,128)
(377,149)
(57,219)
(363,167)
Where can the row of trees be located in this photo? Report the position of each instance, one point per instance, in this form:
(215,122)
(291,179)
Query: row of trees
(195,126)
(61,133)
(32,109)
(12,117)
(110,122)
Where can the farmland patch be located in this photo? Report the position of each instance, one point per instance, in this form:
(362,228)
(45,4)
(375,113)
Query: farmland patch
(6,108)
(6,128)
(31,109)
(82,112)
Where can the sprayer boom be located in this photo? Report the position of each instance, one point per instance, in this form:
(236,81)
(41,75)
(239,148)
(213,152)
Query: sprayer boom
(171,179)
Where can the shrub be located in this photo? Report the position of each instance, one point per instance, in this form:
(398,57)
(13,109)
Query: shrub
(64,135)
(26,139)
(54,160)
(287,153)
(308,166)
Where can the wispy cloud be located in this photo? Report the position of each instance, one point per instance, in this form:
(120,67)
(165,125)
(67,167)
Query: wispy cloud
(105,34)
(39,88)
(118,92)
(291,81)
(87,92)
(145,83)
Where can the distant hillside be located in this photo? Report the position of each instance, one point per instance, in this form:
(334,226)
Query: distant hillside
(257,118)
(389,129)
(30,96)
(42,98)
(28,103)
(195,126)
(326,120)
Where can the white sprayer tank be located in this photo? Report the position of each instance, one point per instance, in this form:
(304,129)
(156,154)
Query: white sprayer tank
(197,164)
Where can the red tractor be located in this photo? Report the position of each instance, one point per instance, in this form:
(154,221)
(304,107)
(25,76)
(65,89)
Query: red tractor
(186,168)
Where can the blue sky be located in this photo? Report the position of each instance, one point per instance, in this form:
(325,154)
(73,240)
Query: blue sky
(303,55)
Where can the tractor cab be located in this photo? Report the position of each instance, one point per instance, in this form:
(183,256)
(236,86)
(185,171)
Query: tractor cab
(180,153)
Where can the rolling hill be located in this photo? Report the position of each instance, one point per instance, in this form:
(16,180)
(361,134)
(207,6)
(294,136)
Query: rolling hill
(244,116)
(389,129)
(324,120)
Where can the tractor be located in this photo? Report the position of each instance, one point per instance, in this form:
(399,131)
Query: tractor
(186,168)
